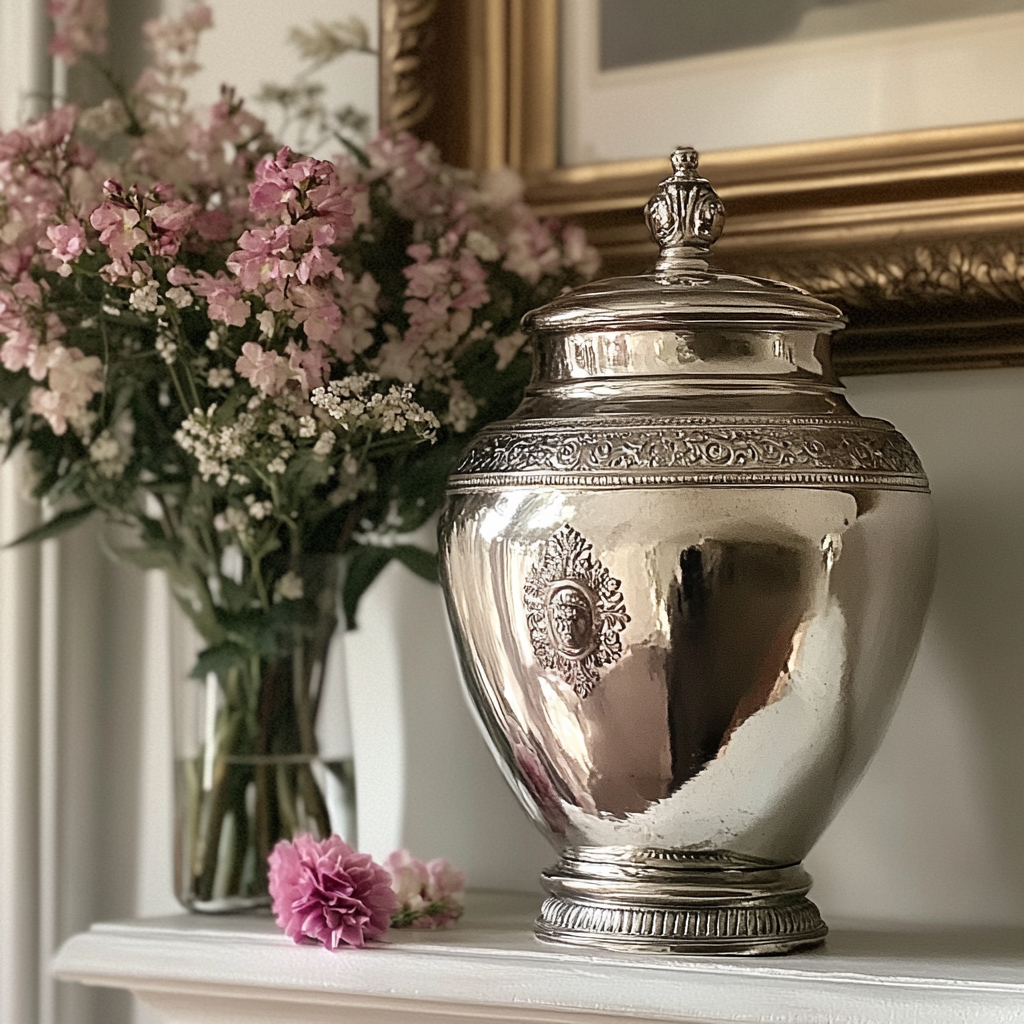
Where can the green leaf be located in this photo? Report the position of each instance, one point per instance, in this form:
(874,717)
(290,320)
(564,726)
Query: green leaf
(55,526)
(423,563)
(219,659)
(364,566)
(143,557)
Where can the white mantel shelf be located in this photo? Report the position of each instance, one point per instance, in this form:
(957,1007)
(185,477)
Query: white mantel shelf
(228,970)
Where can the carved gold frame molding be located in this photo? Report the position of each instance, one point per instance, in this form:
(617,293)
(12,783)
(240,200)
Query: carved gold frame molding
(919,235)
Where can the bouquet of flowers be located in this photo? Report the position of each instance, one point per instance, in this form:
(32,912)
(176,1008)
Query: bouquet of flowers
(254,360)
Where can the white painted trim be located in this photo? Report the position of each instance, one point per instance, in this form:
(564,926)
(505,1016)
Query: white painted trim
(240,970)
(25,68)
(49,768)
(19,795)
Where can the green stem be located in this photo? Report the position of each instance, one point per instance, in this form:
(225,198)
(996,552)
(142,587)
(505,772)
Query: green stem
(181,394)
(286,800)
(220,799)
(261,587)
(135,127)
(314,801)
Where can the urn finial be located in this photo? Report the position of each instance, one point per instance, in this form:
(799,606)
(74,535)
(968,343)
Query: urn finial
(685,215)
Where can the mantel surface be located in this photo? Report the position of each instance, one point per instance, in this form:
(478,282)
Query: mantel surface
(219,970)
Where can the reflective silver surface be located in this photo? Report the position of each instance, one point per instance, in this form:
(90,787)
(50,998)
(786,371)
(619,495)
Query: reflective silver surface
(686,582)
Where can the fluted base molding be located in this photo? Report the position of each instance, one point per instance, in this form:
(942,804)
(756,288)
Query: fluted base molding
(666,901)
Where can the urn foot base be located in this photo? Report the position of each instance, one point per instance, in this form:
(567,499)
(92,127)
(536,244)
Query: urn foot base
(670,901)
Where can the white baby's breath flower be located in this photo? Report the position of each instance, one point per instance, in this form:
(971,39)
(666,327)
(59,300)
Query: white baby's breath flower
(232,519)
(213,339)
(219,377)
(508,347)
(167,347)
(181,297)
(215,448)
(324,444)
(145,298)
(112,450)
(289,587)
(266,322)
(110,310)
(103,121)
(462,409)
(307,426)
(277,465)
(348,402)
(482,246)
(259,510)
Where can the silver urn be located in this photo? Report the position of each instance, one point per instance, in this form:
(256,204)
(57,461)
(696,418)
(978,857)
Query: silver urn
(686,582)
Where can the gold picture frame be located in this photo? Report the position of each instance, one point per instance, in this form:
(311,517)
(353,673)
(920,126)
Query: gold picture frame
(918,236)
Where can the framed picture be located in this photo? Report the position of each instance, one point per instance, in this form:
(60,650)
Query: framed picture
(917,233)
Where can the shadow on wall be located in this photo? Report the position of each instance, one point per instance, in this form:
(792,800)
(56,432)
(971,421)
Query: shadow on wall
(978,615)
(935,831)
(425,777)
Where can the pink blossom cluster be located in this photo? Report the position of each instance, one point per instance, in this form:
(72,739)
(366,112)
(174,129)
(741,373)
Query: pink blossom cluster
(205,213)
(325,892)
(81,27)
(429,895)
(472,228)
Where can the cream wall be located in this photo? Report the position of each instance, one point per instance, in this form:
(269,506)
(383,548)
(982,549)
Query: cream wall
(248,46)
(935,832)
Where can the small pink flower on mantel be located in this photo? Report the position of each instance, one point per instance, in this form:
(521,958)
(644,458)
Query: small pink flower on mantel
(324,891)
(429,895)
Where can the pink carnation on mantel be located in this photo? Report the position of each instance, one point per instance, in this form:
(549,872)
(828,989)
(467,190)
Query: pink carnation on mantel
(324,891)
(429,895)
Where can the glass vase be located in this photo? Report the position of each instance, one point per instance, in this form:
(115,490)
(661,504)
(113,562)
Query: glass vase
(252,767)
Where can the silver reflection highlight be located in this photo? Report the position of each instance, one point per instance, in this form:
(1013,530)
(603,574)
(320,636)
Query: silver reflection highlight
(686,583)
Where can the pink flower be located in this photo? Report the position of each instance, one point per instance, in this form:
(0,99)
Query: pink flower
(118,228)
(179,275)
(170,221)
(429,895)
(258,259)
(317,311)
(318,261)
(81,28)
(213,225)
(223,296)
(324,891)
(293,190)
(20,348)
(73,378)
(310,366)
(264,370)
(68,242)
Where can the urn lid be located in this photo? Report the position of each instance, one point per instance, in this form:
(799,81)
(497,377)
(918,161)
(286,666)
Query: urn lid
(685,216)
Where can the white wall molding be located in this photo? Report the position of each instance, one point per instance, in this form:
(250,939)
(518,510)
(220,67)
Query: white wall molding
(19,746)
(25,69)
